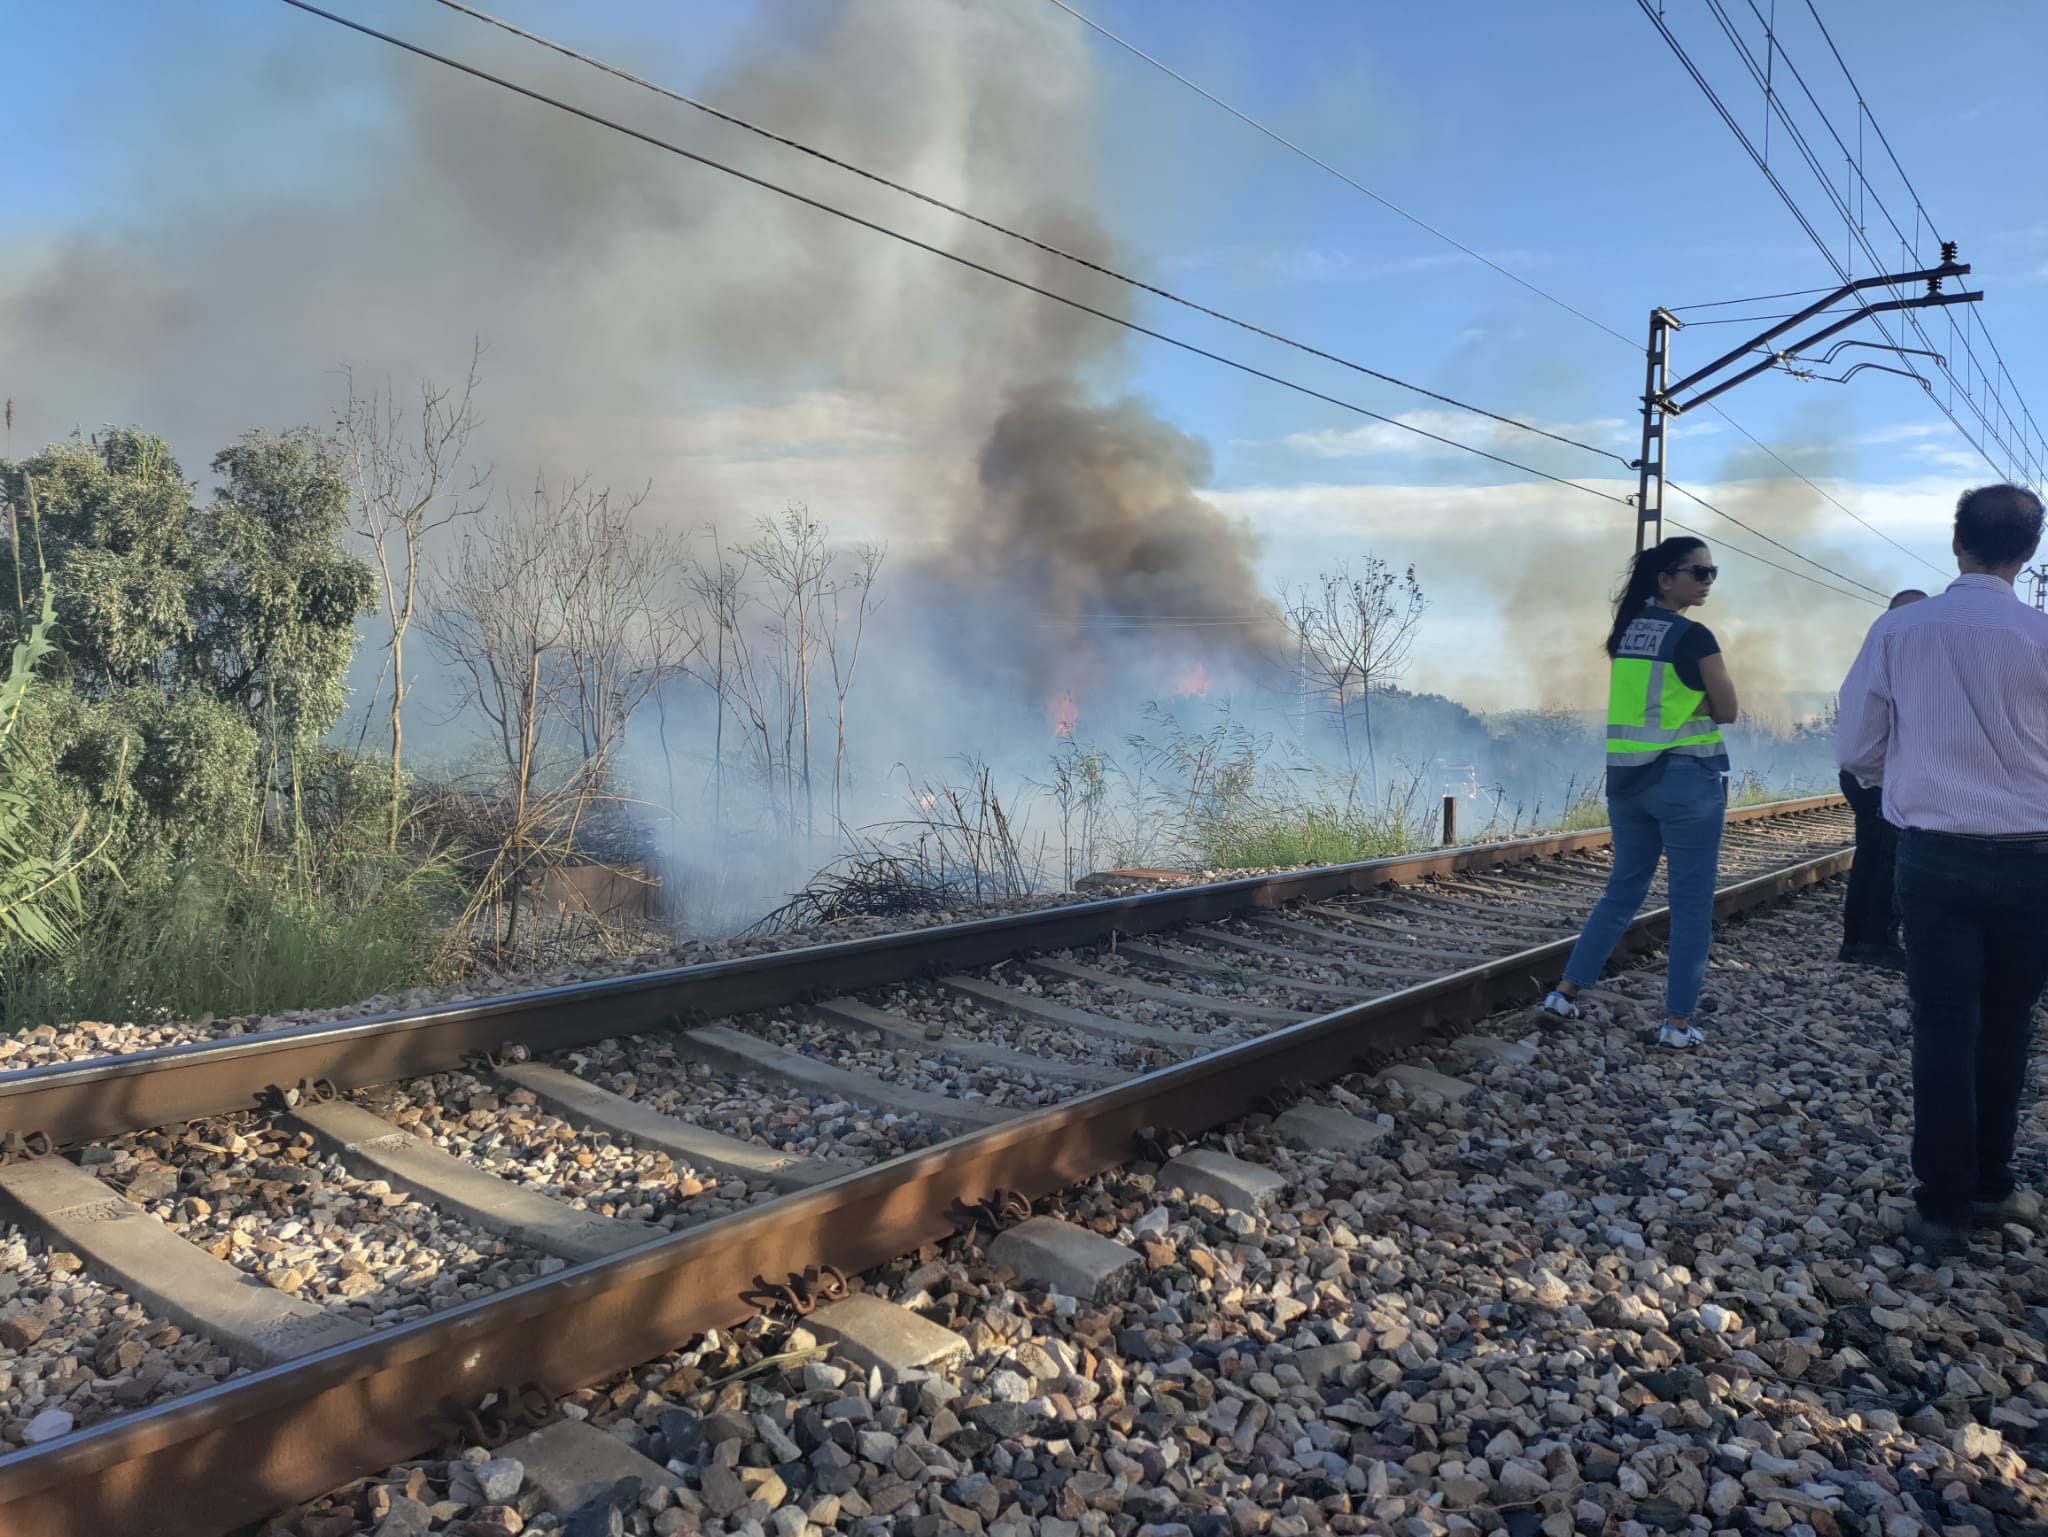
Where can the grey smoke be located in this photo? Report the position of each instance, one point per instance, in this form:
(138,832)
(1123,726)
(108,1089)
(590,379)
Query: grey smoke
(631,303)
(1087,515)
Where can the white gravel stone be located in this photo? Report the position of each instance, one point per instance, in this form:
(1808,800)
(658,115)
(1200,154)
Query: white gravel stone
(48,1426)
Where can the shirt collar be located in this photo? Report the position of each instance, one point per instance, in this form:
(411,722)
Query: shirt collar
(1981,579)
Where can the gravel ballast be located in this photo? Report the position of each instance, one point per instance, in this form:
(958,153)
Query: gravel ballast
(1617,1291)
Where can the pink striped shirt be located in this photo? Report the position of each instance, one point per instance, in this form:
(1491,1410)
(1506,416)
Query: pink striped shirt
(1947,708)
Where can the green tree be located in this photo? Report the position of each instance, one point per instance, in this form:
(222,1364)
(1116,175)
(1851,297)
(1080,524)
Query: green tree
(276,601)
(39,894)
(118,552)
(248,600)
(206,645)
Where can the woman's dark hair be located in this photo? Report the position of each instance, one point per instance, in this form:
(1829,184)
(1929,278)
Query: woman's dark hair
(1641,586)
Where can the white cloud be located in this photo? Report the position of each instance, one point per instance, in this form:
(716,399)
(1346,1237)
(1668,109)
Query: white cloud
(1908,432)
(1962,459)
(1403,435)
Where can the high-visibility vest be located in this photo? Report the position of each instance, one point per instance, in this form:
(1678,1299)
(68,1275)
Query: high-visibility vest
(1650,710)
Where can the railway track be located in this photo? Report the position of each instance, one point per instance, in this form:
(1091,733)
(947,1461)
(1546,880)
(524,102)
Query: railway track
(334,1241)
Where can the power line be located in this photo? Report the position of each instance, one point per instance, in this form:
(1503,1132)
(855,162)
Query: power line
(952,256)
(1887,538)
(1775,104)
(1716,304)
(1670,522)
(1032,241)
(1698,500)
(1920,213)
(798,145)
(1392,207)
(1742,138)
(658,143)
(1736,320)
(1855,225)
(1420,223)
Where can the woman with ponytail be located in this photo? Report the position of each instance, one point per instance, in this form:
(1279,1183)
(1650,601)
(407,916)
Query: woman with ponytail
(1668,696)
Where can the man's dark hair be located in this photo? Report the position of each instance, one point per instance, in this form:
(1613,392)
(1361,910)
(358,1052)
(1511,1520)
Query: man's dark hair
(1999,525)
(1904,596)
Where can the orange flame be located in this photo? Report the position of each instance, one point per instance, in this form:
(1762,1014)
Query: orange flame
(1063,712)
(1195,681)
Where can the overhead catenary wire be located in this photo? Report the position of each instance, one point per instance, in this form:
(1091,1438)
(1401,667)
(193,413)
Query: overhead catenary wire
(1921,213)
(654,141)
(1828,495)
(795,144)
(1860,597)
(1699,501)
(1720,107)
(1281,139)
(1719,304)
(1735,320)
(1775,106)
(1512,276)
(1033,241)
(1515,277)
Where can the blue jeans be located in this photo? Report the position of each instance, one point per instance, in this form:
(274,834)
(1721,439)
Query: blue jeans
(1975,914)
(1679,818)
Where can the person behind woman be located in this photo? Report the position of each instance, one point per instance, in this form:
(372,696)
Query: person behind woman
(1668,695)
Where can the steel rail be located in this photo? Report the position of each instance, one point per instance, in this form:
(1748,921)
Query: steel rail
(242,1450)
(76,1102)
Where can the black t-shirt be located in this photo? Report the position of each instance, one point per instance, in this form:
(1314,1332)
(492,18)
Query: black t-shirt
(1696,644)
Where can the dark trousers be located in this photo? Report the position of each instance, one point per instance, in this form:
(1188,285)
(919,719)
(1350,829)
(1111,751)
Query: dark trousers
(1869,919)
(1976,928)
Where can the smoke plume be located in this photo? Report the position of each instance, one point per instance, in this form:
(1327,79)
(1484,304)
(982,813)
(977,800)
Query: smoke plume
(1087,518)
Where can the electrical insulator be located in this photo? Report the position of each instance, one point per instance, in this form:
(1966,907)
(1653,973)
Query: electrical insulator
(1948,250)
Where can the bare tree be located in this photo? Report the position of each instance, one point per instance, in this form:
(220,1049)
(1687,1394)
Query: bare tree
(849,601)
(411,480)
(793,562)
(743,663)
(720,590)
(1354,633)
(780,617)
(561,620)
(627,631)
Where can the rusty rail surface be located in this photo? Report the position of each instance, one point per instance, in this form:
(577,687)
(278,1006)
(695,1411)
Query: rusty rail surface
(77,1102)
(240,1451)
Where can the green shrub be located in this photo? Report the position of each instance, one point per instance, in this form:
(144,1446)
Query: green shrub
(1250,838)
(216,937)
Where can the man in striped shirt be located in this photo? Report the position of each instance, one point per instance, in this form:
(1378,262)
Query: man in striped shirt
(1946,707)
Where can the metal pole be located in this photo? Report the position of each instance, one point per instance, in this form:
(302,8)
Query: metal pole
(1450,820)
(1650,467)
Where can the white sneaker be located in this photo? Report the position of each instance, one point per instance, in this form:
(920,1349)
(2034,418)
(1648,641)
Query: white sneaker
(1560,1006)
(1681,1037)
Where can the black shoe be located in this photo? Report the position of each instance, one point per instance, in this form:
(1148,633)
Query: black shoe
(1882,957)
(1943,1240)
(2022,1206)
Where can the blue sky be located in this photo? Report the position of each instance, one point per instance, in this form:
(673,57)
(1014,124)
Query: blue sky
(1562,140)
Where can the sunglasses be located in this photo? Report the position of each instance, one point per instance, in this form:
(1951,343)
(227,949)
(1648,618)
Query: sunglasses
(1698,573)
